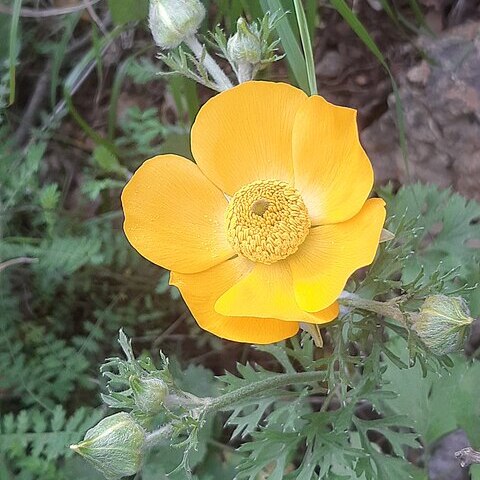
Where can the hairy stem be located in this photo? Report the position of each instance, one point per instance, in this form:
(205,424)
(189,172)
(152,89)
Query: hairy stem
(160,435)
(212,405)
(281,380)
(222,81)
(386,309)
(228,400)
(245,72)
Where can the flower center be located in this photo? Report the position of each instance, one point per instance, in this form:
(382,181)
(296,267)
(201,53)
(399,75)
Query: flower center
(266,221)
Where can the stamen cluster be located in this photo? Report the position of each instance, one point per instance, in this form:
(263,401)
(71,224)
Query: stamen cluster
(267,221)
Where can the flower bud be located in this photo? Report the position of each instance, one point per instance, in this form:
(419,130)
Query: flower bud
(114,446)
(149,393)
(442,323)
(171,21)
(245,46)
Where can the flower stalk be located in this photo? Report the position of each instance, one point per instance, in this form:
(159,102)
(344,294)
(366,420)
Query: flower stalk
(159,436)
(277,381)
(388,309)
(212,405)
(245,72)
(441,323)
(221,80)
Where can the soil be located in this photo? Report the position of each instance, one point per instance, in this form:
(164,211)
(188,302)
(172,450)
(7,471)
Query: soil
(439,84)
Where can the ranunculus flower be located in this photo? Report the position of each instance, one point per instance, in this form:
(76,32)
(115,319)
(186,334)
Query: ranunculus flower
(265,229)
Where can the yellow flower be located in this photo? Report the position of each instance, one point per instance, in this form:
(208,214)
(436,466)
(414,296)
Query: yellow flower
(264,230)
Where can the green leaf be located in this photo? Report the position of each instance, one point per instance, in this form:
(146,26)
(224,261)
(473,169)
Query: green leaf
(45,436)
(106,160)
(5,26)
(246,418)
(178,144)
(475,472)
(49,196)
(388,427)
(449,228)
(124,11)
(290,44)
(437,404)
(59,55)
(307,46)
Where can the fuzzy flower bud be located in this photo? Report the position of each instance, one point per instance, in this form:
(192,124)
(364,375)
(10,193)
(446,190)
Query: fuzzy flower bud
(245,45)
(442,323)
(149,393)
(114,446)
(171,21)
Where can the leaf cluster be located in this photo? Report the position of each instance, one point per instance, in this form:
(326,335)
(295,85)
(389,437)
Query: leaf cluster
(317,432)
(32,441)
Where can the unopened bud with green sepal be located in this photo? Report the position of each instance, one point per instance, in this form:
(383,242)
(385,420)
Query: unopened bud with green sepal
(115,446)
(149,393)
(442,323)
(245,45)
(172,21)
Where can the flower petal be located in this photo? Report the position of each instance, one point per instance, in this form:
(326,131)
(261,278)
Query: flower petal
(174,216)
(267,291)
(332,171)
(245,134)
(200,292)
(331,253)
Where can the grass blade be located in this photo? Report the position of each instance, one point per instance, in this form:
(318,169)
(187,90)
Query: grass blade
(185,95)
(13,47)
(191,97)
(419,15)
(311,8)
(391,12)
(59,55)
(290,45)
(89,131)
(120,75)
(344,10)
(307,46)
(349,16)
(253,9)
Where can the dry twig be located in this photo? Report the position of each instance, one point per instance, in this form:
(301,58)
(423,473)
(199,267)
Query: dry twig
(467,456)
(16,261)
(48,12)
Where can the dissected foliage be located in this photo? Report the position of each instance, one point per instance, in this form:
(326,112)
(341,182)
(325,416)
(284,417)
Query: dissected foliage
(34,443)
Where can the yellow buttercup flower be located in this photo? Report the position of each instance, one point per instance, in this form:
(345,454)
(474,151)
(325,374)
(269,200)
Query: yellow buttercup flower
(265,229)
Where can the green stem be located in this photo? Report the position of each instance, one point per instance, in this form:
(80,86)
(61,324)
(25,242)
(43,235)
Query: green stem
(245,72)
(161,435)
(281,380)
(218,75)
(228,400)
(386,309)
(307,46)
